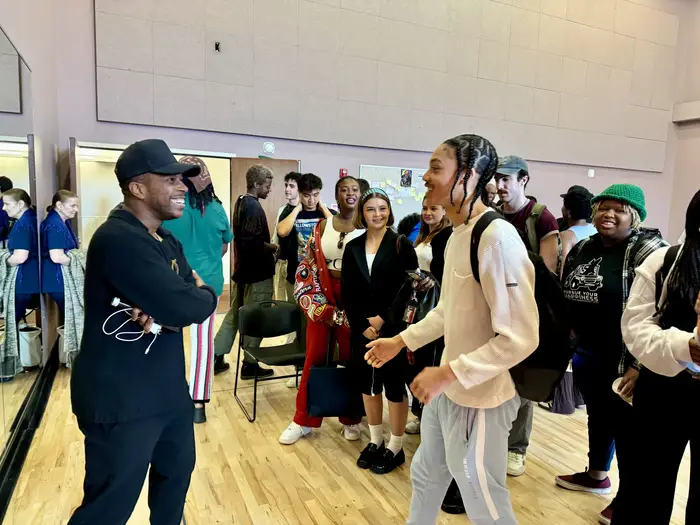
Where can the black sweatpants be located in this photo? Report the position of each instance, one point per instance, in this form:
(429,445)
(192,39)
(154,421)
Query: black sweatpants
(665,419)
(117,457)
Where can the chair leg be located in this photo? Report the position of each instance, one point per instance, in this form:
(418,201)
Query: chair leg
(255,390)
(237,371)
(235,388)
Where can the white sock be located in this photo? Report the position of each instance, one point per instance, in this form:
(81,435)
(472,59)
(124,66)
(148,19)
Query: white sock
(375,435)
(395,444)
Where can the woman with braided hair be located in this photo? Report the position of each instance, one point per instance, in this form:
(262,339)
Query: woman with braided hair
(205,233)
(489,326)
(660,328)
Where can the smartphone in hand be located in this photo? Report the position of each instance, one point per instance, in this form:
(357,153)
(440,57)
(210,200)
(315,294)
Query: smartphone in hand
(416,275)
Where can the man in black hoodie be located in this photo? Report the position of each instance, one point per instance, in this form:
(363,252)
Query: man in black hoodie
(129,393)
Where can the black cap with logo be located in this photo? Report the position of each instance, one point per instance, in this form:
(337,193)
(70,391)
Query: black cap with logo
(150,156)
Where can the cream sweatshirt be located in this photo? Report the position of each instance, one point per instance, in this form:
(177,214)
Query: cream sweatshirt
(664,352)
(488,327)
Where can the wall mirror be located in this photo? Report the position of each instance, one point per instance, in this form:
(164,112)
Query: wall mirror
(21,355)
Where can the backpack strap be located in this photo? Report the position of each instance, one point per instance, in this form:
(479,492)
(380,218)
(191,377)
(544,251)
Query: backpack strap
(531,226)
(477,232)
(663,273)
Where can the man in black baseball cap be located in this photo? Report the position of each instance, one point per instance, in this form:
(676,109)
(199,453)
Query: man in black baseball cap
(150,156)
(578,195)
(129,393)
(577,190)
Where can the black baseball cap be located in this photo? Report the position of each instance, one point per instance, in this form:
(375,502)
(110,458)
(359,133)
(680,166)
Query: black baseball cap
(151,156)
(578,190)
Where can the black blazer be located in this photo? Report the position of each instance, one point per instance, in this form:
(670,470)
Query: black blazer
(366,296)
(439,244)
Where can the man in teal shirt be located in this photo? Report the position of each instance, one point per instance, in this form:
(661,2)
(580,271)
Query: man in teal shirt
(205,233)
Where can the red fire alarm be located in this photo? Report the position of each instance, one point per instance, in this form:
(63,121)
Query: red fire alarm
(342,172)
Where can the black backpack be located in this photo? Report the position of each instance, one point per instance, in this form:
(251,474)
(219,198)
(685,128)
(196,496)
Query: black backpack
(539,374)
(661,275)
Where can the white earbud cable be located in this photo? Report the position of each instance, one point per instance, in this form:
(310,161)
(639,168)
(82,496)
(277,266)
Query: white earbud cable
(134,336)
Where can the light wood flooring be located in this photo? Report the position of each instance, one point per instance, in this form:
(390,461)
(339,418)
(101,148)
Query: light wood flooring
(12,395)
(244,476)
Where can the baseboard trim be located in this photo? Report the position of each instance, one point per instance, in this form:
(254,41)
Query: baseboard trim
(23,429)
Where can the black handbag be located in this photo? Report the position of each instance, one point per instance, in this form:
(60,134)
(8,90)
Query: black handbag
(427,301)
(332,391)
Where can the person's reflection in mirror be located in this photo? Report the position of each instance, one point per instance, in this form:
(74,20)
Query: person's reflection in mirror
(57,240)
(22,244)
(5,185)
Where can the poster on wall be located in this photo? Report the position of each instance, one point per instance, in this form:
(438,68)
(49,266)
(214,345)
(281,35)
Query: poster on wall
(403,185)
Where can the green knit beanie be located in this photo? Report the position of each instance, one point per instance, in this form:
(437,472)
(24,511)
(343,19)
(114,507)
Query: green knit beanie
(627,193)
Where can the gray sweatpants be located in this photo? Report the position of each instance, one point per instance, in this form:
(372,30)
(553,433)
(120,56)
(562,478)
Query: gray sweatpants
(471,446)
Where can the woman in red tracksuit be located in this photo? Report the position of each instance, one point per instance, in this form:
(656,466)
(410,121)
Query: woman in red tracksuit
(317,290)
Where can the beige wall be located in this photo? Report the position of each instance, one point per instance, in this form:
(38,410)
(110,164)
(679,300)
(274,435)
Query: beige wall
(687,177)
(68,47)
(592,77)
(685,144)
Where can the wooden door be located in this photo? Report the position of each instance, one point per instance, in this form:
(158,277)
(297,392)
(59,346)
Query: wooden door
(275,200)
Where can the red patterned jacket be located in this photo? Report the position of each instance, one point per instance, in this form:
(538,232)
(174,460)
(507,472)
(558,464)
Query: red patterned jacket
(312,288)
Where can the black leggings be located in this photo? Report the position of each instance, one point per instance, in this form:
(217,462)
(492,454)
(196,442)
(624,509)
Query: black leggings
(665,420)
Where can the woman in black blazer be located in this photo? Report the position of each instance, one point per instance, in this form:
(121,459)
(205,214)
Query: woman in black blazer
(374,269)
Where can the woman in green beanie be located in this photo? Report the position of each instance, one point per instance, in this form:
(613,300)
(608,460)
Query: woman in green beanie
(597,278)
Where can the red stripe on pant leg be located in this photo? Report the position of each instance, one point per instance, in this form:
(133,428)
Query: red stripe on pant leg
(210,355)
(198,364)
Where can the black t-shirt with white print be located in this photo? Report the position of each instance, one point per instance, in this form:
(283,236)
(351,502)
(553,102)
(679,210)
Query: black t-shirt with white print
(593,290)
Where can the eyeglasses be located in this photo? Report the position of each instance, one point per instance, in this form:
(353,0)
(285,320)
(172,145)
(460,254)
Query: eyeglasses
(341,240)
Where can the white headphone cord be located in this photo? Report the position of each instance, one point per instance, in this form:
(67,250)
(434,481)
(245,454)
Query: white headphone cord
(121,336)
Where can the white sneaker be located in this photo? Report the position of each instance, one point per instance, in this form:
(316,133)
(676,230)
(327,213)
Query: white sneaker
(294,433)
(351,432)
(516,464)
(291,382)
(413,427)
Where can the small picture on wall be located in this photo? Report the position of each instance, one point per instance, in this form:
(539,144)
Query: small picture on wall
(406,178)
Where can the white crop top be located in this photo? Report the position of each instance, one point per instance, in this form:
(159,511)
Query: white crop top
(329,244)
(424,252)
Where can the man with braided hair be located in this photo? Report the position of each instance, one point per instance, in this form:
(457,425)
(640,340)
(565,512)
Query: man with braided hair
(489,327)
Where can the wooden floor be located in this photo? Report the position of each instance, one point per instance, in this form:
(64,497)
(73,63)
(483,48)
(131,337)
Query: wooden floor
(244,476)
(12,395)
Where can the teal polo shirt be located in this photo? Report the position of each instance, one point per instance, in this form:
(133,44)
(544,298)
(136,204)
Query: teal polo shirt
(202,237)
